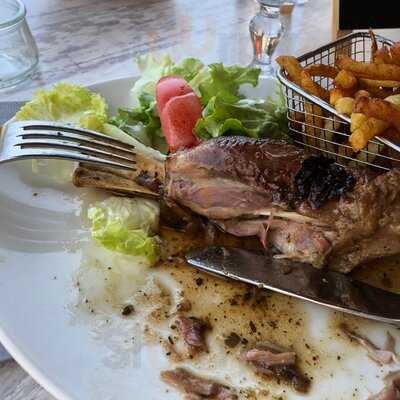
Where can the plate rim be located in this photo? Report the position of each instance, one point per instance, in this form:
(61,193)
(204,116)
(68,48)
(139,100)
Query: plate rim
(21,358)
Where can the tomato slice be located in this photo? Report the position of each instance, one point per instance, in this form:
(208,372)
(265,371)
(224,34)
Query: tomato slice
(178,119)
(168,87)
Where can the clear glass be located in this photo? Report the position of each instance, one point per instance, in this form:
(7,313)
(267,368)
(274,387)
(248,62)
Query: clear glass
(266,31)
(18,51)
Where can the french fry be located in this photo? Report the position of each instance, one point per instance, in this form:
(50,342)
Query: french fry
(292,67)
(345,105)
(361,93)
(357,119)
(383,56)
(380,83)
(374,43)
(369,70)
(346,80)
(374,91)
(312,87)
(366,131)
(313,123)
(379,109)
(301,77)
(392,134)
(327,71)
(395,52)
(337,93)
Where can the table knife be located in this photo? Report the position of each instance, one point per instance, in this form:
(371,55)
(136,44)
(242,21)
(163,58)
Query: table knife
(321,286)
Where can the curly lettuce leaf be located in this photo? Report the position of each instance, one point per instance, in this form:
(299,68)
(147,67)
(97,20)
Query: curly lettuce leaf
(69,103)
(142,123)
(246,117)
(215,81)
(127,226)
(152,69)
(224,82)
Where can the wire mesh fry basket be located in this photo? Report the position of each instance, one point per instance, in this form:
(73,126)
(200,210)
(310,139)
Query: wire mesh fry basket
(317,125)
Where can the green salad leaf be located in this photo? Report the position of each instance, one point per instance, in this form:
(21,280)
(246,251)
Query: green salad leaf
(127,226)
(67,103)
(152,69)
(78,106)
(226,111)
(246,117)
(224,82)
(142,122)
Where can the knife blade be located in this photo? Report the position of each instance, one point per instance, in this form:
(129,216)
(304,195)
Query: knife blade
(328,288)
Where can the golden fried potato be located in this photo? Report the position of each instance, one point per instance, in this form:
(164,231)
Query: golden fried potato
(395,53)
(374,44)
(313,122)
(380,109)
(346,80)
(312,87)
(327,71)
(361,93)
(394,99)
(345,105)
(393,134)
(332,124)
(292,67)
(357,119)
(337,93)
(369,70)
(365,131)
(379,83)
(383,56)
(374,91)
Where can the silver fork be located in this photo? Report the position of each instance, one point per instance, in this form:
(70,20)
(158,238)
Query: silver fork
(44,139)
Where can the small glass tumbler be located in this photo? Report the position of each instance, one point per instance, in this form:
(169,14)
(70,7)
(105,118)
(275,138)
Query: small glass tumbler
(266,30)
(18,52)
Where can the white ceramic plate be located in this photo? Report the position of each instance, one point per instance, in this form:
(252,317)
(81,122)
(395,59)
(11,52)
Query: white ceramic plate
(40,238)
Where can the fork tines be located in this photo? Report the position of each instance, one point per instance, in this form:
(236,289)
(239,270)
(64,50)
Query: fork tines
(54,140)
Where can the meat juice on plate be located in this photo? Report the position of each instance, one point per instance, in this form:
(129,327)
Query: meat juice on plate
(232,309)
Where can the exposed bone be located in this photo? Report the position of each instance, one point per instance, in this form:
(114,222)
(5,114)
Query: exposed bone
(290,216)
(111,181)
(380,356)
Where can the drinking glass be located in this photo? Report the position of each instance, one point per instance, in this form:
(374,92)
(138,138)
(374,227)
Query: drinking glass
(18,52)
(266,30)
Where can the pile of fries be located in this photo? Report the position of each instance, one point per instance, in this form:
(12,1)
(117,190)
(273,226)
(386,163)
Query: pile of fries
(369,92)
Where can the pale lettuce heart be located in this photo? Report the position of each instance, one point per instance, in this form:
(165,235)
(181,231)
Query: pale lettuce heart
(127,226)
(66,103)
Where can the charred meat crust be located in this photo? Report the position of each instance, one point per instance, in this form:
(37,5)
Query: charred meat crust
(261,170)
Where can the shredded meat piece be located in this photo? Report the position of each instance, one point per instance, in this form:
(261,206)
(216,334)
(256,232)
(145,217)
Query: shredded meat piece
(265,359)
(381,356)
(273,360)
(193,332)
(195,386)
(391,390)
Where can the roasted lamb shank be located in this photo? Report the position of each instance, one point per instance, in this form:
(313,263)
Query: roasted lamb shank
(305,206)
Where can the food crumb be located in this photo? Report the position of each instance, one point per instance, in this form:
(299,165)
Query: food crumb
(127,310)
